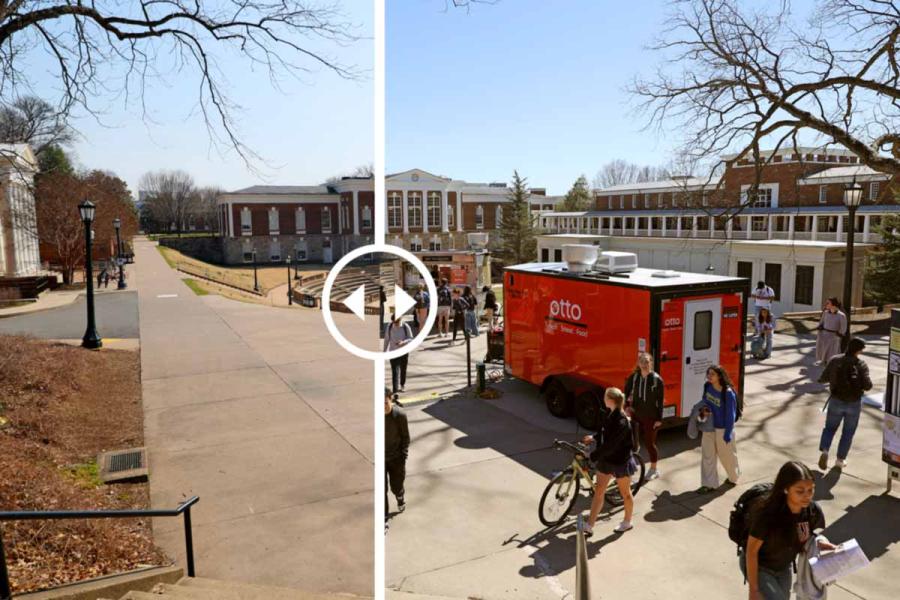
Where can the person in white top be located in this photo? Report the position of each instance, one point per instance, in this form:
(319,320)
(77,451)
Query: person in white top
(763,296)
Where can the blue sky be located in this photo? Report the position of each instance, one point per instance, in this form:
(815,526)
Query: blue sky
(306,132)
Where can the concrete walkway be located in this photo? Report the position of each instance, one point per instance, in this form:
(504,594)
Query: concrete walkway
(256,410)
(477,469)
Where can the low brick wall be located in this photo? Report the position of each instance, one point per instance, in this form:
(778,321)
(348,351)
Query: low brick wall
(207,249)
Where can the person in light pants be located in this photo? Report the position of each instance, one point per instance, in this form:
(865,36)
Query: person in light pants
(719,403)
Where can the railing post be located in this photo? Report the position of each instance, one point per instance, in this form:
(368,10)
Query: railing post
(5,591)
(582,577)
(188,542)
(468,358)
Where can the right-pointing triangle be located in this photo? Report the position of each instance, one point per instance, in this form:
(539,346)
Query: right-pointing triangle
(357,302)
(402,301)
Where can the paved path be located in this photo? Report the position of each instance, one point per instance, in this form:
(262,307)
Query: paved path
(256,410)
(477,469)
(116,314)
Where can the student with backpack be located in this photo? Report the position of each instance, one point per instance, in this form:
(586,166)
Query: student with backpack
(614,459)
(491,308)
(423,301)
(460,306)
(771,524)
(445,303)
(761,347)
(644,393)
(848,379)
(720,403)
(471,316)
(396,335)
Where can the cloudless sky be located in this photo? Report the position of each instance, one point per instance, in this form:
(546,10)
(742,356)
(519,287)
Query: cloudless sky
(307,132)
(531,85)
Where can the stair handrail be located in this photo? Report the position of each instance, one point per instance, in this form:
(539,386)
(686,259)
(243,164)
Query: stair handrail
(183,509)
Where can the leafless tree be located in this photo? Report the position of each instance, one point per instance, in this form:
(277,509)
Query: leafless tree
(740,76)
(203,208)
(617,172)
(366,170)
(34,121)
(169,198)
(105,48)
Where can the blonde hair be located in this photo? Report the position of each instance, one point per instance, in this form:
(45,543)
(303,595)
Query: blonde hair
(616,395)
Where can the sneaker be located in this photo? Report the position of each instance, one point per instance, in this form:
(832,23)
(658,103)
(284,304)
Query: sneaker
(652,474)
(704,490)
(840,464)
(823,461)
(401,504)
(623,527)
(402,388)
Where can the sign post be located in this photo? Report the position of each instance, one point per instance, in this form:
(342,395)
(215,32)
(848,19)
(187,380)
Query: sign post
(890,452)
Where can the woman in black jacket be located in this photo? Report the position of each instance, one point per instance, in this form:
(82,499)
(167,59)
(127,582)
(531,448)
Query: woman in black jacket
(644,396)
(613,458)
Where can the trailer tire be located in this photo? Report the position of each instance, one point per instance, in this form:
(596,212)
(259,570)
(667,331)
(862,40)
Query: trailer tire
(589,409)
(558,399)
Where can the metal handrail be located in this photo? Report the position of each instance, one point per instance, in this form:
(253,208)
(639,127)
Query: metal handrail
(183,509)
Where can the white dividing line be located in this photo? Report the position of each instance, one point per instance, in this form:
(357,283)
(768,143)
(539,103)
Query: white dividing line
(167,295)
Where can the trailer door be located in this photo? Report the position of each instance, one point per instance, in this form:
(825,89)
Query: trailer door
(702,328)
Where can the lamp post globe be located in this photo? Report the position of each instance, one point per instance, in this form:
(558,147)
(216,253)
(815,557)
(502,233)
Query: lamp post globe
(91,339)
(852,199)
(120,262)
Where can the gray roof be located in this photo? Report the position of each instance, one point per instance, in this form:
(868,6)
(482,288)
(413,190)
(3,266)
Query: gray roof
(284,189)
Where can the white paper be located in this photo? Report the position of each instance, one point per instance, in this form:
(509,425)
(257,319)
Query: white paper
(848,558)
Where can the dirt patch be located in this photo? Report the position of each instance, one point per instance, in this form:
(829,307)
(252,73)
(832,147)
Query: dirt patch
(59,407)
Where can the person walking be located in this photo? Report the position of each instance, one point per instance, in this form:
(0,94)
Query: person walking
(491,308)
(763,296)
(720,403)
(460,306)
(831,331)
(396,335)
(396,451)
(100,278)
(471,318)
(765,332)
(614,459)
(423,301)
(445,303)
(847,376)
(781,520)
(644,396)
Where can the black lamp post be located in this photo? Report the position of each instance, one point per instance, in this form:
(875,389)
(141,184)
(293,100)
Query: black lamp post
(287,261)
(255,279)
(852,199)
(91,338)
(120,262)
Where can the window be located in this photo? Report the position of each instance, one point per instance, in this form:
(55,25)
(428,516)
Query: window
(300,220)
(704,199)
(449,215)
(557,255)
(545,255)
(326,220)
(745,269)
(415,245)
(395,210)
(434,209)
(659,200)
(274,250)
(759,224)
(479,217)
(435,244)
(273,221)
(803,285)
(874,188)
(366,217)
(762,199)
(498,216)
(621,201)
(300,250)
(246,222)
(634,201)
(414,201)
(646,200)
(703,330)
(247,251)
(609,202)
(773,278)
(674,200)
(823,194)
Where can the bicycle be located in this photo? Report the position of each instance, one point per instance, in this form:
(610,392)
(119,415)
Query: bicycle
(563,490)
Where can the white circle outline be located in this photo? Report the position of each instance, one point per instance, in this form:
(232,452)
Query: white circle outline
(326,301)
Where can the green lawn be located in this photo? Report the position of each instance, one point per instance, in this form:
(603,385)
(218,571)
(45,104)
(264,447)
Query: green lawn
(195,286)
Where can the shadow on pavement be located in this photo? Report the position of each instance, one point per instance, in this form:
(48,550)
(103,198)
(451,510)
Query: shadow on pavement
(875,523)
(665,499)
(825,483)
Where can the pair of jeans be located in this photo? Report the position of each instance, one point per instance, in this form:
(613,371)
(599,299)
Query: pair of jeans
(839,411)
(398,371)
(395,476)
(773,585)
(471,323)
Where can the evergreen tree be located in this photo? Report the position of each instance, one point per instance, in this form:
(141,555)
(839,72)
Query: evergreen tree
(54,160)
(517,238)
(883,271)
(579,197)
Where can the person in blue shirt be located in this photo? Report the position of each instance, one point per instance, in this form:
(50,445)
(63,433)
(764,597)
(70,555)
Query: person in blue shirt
(719,403)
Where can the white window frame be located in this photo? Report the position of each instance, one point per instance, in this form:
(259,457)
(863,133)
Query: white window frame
(300,220)
(246,223)
(609,202)
(395,210)
(874,189)
(434,245)
(621,201)
(273,243)
(771,189)
(366,217)
(415,244)
(273,212)
(301,251)
(434,209)
(634,201)
(450,215)
(498,216)
(247,252)
(414,204)
(646,200)
(479,217)
(823,194)
(326,216)
(704,199)
(660,200)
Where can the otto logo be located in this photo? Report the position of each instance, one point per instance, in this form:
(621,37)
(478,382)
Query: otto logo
(565,309)
(672,322)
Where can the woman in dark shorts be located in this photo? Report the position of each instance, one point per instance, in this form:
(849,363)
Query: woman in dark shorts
(613,458)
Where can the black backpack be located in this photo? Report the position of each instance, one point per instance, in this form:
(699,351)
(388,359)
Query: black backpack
(739,521)
(846,381)
(444,298)
(738,406)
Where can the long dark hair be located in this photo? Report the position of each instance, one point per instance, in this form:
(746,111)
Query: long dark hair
(724,379)
(768,318)
(773,506)
(467,291)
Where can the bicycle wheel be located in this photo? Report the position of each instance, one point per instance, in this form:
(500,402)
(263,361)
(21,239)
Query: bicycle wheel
(613,496)
(559,497)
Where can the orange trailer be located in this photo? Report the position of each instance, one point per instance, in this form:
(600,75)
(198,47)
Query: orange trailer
(576,333)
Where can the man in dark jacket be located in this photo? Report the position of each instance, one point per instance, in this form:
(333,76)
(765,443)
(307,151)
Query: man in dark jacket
(848,379)
(396,449)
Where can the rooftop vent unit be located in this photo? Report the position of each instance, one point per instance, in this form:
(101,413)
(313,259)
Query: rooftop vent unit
(616,262)
(579,258)
(666,274)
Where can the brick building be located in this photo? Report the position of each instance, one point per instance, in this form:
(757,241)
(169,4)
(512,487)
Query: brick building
(431,212)
(316,224)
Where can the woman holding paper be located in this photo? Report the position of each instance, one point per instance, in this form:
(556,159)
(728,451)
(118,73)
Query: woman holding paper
(780,525)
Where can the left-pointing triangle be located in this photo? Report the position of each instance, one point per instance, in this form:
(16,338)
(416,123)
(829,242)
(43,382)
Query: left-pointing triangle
(357,302)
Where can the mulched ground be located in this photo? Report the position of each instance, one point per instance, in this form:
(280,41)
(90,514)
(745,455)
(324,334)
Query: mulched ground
(59,407)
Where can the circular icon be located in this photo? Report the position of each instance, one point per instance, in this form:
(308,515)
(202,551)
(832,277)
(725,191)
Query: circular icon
(326,301)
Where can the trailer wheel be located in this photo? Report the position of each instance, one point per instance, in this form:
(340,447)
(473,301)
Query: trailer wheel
(589,409)
(558,399)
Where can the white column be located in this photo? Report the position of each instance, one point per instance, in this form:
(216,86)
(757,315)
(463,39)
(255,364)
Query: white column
(664,225)
(866,228)
(637,228)
(729,227)
(355,212)
(650,226)
(459,211)
(678,227)
(694,223)
(749,226)
(405,212)
(444,211)
(230,216)
(712,226)
(790,227)
(425,211)
(814,230)
(840,228)
(770,225)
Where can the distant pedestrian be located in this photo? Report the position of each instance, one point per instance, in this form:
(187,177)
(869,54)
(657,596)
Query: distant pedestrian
(644,396)
(471,318)
(719,403)
(105,275)
(848,379)
(491,308)
(396,451)
(763,296)
(614,459)
(396,335)
(832,329)
(781,521)
(100,278)
(444,302)
(423,301)
(460,306)
(765,331)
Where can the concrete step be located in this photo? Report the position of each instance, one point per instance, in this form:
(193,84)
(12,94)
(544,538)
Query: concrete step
(209,589)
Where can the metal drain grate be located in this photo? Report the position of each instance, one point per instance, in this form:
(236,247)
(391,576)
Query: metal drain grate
(121,465)
(124,461)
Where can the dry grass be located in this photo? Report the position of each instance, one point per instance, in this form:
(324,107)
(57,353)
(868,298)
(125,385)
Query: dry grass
(63,405)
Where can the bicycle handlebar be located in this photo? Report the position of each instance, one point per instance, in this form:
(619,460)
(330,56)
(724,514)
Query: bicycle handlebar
(576,448)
